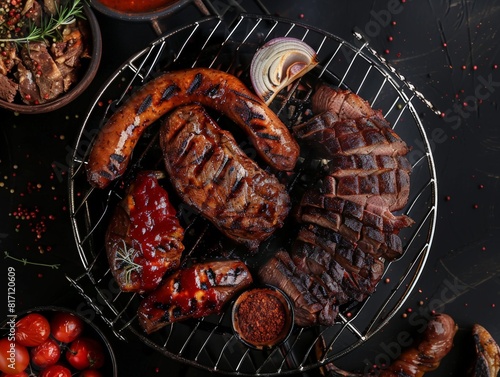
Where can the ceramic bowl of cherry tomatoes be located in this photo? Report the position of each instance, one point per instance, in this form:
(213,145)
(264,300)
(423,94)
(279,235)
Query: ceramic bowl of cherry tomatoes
(54,342)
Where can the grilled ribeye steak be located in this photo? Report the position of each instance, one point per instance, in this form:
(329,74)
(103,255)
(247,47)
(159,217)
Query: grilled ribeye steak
(347,227)
(144,237)
(312,302)
(322,272)
(213,175)
(193,292)
(329,135)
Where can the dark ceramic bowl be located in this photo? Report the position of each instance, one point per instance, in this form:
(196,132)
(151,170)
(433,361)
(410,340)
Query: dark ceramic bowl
(90,330)
(159,13)
(251,308)
(86,75)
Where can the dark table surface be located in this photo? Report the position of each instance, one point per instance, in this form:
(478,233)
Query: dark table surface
(448,49)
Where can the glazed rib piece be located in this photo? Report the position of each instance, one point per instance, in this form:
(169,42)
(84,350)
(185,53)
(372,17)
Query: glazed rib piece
(193,292)
(144,237)
(212,174)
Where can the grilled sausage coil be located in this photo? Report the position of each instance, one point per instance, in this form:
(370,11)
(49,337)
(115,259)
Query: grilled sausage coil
(115,142)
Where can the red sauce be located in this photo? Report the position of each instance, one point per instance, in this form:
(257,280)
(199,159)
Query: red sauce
(137,6)
(152,222)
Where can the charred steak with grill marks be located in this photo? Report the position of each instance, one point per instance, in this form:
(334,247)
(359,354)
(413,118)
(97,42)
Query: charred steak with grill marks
(347,228)
(212,174)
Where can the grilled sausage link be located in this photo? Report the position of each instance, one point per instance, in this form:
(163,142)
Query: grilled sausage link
(212,175)
(115,142)
(424,356)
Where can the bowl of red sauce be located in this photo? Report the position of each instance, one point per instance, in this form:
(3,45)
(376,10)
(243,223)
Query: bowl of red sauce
(138,10)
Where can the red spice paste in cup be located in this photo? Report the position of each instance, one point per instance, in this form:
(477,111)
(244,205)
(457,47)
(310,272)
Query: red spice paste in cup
(137,6)
(261,317)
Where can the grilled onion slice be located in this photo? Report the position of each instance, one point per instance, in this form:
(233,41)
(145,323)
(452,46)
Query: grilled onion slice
(278,63)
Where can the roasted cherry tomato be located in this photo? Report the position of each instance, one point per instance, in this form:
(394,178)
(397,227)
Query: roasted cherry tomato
(46,354)
(31,330)
(14,357)
(66,327)
(55,371)
(85,353)
(90,373)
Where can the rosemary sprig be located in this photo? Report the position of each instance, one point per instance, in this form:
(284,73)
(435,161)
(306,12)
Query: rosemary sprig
(124,257)
(25,261)
(49,28)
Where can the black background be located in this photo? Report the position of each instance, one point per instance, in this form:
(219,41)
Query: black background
(447,49)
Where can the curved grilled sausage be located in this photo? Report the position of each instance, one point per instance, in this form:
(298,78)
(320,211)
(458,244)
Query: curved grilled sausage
(212,175)
(422,357)
(115,142)
(426,355)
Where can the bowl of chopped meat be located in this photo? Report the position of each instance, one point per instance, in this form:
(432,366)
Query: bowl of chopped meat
(49,53)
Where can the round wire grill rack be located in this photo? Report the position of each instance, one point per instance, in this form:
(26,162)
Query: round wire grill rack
(209,343)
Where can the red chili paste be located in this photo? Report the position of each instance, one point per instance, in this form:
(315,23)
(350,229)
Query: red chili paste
(261,318)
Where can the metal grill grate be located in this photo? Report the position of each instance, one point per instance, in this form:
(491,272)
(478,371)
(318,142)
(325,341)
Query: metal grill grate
(209,343)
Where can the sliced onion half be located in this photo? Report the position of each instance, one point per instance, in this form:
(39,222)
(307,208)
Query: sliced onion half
(278,63)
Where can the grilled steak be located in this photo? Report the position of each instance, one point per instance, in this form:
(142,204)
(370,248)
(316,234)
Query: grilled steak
(193,292)
(312,304)
(343,103)
(212,174)
(328,135)
(144,237)
(348,228)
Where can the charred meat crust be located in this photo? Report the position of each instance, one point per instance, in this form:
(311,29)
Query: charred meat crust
(212,175)
(209,87)
(193,292)
(347,227)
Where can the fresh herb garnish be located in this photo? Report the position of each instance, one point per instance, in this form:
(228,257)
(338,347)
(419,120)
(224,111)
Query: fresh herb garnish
(125,260)
(49,27)
(25,261)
